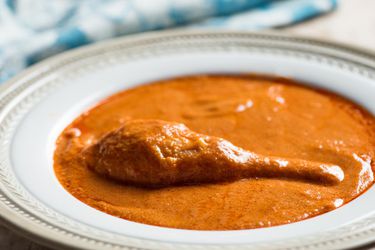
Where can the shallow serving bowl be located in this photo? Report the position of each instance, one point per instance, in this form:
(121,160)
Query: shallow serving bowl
(38,104)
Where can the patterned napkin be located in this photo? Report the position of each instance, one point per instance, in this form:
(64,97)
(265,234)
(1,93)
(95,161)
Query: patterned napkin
(31,30)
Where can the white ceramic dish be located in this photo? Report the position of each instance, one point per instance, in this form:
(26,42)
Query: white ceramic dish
(39,103)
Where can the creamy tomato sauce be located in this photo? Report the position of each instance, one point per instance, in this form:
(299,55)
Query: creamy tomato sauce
(269,116)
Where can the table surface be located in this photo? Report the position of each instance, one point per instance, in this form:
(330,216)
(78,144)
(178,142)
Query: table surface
(352,23)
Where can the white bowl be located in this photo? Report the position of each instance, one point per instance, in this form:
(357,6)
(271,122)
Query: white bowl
(39,103)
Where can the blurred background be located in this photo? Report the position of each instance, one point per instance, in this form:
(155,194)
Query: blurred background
(32,30)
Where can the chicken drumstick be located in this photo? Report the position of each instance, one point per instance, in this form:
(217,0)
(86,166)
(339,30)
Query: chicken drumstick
(155,153)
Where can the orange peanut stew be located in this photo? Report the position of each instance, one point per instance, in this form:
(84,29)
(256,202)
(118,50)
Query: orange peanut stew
(218,152)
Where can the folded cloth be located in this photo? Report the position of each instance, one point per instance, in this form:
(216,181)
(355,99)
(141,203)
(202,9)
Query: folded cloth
(32,30)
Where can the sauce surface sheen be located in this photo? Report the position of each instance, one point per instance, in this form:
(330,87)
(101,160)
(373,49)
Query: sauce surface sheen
(269,116)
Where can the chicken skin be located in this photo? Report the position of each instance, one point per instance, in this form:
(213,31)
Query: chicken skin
(155,153)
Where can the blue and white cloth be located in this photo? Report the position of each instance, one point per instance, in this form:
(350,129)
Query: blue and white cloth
(31,30)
